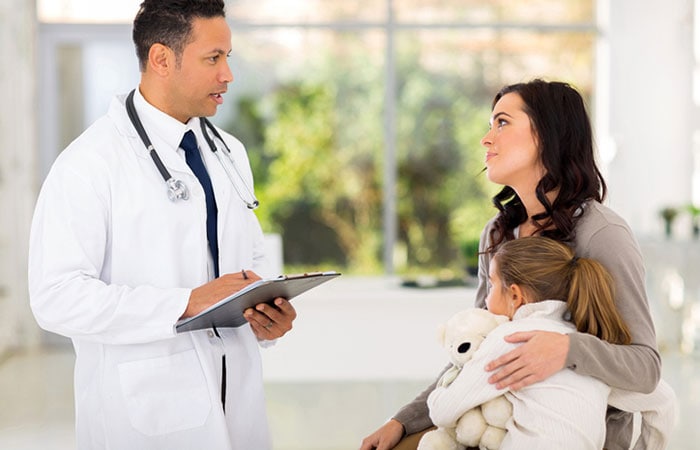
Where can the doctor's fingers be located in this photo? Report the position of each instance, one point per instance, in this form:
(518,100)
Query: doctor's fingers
(229,283)
(285,307)
(269,324)
(281,312)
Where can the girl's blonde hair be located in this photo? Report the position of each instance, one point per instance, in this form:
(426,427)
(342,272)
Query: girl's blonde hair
(548,270)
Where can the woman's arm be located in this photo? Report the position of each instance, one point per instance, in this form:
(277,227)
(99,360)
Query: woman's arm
(635,367)
(414,416)
(604,236)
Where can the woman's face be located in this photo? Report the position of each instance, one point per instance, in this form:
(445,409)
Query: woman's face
(512,154)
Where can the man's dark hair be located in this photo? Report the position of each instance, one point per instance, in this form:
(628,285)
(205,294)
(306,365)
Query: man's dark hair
(169,22)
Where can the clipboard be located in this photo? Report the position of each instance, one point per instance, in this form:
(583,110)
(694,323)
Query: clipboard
(228,312)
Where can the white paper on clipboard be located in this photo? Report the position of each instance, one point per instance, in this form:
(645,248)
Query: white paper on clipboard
(229,311)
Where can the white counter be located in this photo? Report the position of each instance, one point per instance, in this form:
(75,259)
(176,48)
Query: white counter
(365,329)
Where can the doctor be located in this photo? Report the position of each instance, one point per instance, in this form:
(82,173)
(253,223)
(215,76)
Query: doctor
(114,263)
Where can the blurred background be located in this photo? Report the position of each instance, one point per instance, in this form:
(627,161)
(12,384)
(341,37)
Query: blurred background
(362,121)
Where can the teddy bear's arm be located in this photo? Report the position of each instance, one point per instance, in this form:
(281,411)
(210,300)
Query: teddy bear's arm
(470,389)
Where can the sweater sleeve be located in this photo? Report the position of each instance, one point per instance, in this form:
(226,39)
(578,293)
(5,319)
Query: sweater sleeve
(635,367)
(471,387)
(415,416)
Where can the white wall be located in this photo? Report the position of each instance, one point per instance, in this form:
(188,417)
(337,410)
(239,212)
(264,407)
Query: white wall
(652,115)
(17,168)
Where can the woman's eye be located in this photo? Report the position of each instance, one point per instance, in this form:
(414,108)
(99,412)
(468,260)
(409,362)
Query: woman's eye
(501,123)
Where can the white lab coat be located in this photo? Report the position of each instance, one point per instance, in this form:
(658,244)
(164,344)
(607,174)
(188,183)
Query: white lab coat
(112,263)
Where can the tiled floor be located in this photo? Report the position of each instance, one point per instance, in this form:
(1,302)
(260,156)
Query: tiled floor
(358,378)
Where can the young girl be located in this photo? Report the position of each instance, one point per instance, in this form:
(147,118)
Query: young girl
(540,285)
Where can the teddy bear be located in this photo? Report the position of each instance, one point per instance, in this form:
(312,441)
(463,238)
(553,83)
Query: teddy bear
(484,425)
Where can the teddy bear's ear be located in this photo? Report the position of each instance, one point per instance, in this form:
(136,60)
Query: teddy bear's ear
(441,333)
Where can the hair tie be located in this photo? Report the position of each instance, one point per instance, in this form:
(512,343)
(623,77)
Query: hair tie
(573,261)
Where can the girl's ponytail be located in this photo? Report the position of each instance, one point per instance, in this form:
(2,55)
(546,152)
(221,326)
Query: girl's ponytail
(591,302)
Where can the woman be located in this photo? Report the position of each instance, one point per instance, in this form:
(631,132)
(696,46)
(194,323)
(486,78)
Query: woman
(540,148)
(536,282)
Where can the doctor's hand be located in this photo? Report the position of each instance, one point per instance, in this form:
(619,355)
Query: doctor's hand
(270,321)
(207,294)
(542,354)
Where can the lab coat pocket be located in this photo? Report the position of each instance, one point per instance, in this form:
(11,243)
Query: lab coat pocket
(166,394)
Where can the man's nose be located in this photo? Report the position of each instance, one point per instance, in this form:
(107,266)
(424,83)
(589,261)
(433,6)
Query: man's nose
(226,75)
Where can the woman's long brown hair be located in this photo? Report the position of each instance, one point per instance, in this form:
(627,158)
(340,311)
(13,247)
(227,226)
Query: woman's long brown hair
(560,122)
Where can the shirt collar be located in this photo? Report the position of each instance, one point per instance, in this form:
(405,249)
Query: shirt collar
(160,125)
(555,309)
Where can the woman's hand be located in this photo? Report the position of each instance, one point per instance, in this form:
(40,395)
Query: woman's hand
(542,354)
(385,438)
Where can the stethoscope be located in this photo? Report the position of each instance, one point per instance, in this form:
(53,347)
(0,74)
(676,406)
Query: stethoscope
(177,190)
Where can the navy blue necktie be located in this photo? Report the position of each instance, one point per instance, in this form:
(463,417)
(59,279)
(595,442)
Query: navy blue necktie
(194,160)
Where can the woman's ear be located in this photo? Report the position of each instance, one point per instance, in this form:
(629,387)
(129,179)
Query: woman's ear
(161,59)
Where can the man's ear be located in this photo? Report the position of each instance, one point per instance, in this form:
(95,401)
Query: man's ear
(161,59)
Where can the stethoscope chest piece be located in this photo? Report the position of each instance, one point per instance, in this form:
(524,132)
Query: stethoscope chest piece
(177,190)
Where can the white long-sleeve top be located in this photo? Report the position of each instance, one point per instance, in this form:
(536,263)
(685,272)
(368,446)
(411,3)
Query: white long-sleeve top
(566,410)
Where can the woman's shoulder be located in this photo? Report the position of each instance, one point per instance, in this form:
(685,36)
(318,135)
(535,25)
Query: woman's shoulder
(599,214)
(600,227)
(485,233)
(599,218)
(489,225)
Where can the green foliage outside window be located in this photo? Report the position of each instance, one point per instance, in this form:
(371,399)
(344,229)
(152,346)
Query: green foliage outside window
(316,147)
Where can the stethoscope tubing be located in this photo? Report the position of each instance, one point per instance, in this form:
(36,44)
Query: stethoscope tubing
(133,116)
(177,190)
(205,123)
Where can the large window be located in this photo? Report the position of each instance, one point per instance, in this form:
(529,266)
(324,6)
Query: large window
(362,118)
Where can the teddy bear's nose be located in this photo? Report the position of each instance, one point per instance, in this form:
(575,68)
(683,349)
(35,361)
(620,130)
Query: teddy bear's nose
(463,347)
